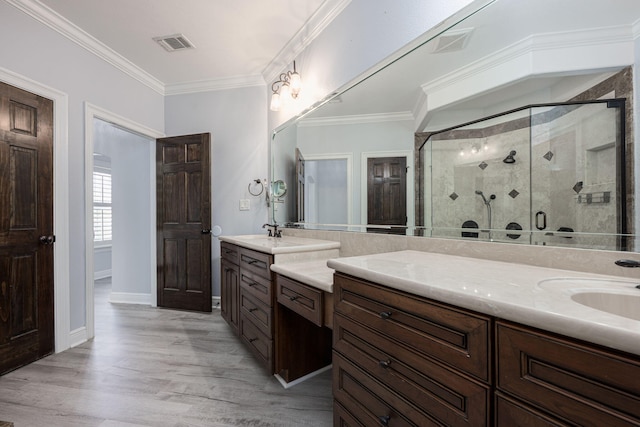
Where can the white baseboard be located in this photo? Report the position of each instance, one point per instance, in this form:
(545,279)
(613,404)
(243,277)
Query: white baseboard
(301,379)
(78,337)
(101,274)
(215,301)
(129,298)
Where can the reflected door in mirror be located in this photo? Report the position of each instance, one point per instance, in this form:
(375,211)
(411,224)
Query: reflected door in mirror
(387,194)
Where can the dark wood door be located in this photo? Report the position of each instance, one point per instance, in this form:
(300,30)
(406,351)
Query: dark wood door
(300,213)
(26,228)
(387,193)
(184,222)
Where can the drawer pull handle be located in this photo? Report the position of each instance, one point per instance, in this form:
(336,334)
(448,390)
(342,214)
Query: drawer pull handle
(252,283)
(384,363)
(385,315)
(252,261)
(293,297)
(251,310)
(253,339)
(384,420)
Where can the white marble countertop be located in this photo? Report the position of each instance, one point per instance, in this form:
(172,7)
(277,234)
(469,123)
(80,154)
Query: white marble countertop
(313,273)
(279,245)
(507,291)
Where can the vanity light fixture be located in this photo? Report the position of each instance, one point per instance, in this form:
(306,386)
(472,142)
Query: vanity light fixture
(287,85)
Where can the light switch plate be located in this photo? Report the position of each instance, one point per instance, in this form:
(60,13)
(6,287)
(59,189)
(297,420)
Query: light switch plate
(245,204)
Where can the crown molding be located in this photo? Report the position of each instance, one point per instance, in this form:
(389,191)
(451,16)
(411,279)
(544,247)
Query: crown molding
(531,44)
(58,23)
(357,119)
(534,44)
(325,14)
(214,84)
(636,29)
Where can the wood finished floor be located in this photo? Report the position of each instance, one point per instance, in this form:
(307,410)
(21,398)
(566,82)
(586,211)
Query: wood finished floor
(154,367)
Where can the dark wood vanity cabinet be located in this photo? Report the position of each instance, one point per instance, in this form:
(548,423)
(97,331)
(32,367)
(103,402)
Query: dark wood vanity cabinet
(229,285)
(573,382)
(404,360)
(401,359)
(247,299)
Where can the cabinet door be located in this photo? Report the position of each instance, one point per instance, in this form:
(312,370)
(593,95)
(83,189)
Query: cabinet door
(510,412)
(578,384)
(229,294)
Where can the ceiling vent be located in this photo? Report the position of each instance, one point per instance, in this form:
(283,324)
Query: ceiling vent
(452,41)
(174,42)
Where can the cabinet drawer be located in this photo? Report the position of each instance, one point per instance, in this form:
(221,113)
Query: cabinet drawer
(510,412)
(300,298)
(369,402)
(259,343)
(576,383)
(449,397)
(257,286)
(454,336)
(256,262)
(230,252)
(259,313)
(342,417)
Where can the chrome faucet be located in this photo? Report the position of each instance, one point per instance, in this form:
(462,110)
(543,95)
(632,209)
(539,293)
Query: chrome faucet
(275,232)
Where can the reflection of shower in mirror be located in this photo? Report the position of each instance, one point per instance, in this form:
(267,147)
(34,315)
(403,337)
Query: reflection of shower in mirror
(510,159)
(487,203)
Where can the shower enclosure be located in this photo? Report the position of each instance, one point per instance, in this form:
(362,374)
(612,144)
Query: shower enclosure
(544,174)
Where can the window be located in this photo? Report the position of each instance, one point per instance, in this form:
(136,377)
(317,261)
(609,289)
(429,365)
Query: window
(102,206)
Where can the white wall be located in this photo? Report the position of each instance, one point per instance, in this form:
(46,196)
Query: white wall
(130,172)
(36,52)
(101,262)
(364,34)
(237,121)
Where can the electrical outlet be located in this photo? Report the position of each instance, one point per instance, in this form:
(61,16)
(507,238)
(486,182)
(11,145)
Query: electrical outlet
(245,204)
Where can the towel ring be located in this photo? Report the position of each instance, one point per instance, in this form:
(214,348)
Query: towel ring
(255,182)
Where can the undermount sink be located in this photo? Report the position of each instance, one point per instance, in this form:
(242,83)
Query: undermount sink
(609,295)
(620,304)
(563,283)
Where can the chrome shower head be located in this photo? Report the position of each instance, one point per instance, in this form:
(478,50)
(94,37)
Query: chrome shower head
(510,159)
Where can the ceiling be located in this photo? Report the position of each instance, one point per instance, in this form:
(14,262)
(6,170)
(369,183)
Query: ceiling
(237,43)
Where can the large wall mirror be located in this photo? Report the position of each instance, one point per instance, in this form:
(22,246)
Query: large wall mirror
(512,122)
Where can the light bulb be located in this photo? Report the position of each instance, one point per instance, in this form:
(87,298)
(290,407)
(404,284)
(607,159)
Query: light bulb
(296,84)
(275,102)
(285,92)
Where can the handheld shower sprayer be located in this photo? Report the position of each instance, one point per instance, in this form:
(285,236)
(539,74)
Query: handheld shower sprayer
(487,203)
(484,199)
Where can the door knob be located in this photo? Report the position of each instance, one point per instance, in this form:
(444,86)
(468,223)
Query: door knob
(47,240)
